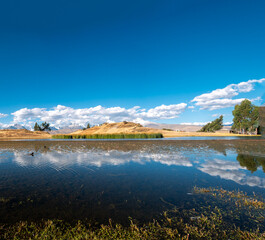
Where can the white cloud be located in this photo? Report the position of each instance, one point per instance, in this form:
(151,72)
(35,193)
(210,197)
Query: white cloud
(63,116)
(191,107)
(3,125)
(222,98)
(2,115)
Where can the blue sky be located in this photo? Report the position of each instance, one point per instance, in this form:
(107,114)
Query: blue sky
(157,55)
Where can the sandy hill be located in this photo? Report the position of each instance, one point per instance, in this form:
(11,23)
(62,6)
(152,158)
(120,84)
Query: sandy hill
(130,127)
(23,133)
(121,127)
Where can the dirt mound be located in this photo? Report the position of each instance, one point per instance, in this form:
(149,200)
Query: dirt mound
(121,127)
(23,133)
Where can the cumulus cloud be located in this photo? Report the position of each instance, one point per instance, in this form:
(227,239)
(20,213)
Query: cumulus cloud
(2,115)
(64,116)
(218,115)
(222,98)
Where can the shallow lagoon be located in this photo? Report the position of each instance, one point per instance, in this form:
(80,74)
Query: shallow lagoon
(98,180)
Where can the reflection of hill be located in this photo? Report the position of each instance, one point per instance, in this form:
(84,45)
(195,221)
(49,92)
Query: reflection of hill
(246,147)
(251,162)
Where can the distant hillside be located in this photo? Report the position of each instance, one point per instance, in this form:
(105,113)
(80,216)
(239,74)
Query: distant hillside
(175,127)
(23,133)
(180,127)
(63,131)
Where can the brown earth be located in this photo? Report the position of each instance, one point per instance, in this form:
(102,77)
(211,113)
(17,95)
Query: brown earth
(109,128)
(168,134)
(130,127)
(115,128)
(23,134)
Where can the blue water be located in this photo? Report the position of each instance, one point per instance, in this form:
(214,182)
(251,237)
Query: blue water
(98,180)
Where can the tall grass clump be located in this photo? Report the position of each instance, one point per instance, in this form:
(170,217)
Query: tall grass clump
(110,136)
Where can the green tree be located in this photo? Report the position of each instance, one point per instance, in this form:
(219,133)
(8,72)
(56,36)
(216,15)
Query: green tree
(246,117)
(37,127)
(88,126)
(213,126)
(45,127)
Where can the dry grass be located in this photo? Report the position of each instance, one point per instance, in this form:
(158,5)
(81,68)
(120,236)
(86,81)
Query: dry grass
(130,127)
(113,128)
(23,134)
(169,134)
(117,128)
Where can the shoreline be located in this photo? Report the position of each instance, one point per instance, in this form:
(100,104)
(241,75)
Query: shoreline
(165,136)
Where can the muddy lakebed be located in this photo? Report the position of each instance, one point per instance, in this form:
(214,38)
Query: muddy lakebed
(100,180)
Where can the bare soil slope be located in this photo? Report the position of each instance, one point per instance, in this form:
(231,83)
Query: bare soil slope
(115,128)
(23,134)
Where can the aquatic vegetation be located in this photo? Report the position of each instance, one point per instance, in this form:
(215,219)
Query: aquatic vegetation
(110,136)
(236,207)
(204,222)
(203,227)
(239,198)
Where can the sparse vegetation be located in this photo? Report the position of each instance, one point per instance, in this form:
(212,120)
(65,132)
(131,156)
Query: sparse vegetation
(110,136)
(206,222)
(87,127)
(167,129)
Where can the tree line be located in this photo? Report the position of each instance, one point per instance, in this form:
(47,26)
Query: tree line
(246,119)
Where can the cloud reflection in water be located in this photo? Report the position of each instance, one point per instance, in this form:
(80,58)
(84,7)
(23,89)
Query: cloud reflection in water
(223,168)
(230,170)
(98,158)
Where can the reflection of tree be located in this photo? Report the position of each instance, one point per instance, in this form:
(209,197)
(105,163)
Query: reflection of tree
(251,162)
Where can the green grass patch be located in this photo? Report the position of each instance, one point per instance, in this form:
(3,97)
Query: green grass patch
(110,136)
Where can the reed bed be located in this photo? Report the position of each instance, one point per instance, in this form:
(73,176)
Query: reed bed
(110,136)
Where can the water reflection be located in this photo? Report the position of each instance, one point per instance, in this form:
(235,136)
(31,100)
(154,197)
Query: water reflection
(252,163)
(206,161)
(98,158)
(230,170)
(99,180)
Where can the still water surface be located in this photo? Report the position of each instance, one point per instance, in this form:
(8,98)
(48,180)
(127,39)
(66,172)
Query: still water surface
(98,180)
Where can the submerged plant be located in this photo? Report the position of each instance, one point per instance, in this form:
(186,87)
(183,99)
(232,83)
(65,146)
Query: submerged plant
(239,198)
(207,221)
